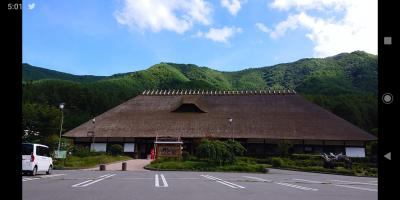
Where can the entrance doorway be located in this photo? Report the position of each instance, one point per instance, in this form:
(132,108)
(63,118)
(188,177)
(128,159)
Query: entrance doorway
(144,150)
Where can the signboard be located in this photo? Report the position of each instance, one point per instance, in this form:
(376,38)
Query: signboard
(98,147)
(60,154)
(355,152)
(129,147)
(168,150)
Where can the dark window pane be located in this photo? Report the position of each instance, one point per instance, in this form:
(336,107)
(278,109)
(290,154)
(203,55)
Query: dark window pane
(46,152)
(41,151)
(27,149)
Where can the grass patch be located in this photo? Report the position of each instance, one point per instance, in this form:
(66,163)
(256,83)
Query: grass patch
(314,163)
(241,165)
(76,162)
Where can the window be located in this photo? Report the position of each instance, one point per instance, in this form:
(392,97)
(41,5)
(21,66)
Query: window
(27,149)
(129,147)
(98,147)
(188,107)
(42,151)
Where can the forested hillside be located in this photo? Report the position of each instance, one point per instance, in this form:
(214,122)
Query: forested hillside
(345,84)
(32,73)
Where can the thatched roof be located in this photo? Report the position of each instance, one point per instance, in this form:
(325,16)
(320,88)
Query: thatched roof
(255,114)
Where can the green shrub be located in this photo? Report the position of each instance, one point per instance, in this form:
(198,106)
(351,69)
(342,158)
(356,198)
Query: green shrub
(218,151)
(277,162)
(81,151)
(185,155)
(305,157)
(235,147)
(373,170)
(343,170)
(263,160)
(308,162)
(198,165)
(206,150)
(115,149)
(75,162)
(247,160)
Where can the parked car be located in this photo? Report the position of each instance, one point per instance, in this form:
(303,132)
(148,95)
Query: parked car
(36,158)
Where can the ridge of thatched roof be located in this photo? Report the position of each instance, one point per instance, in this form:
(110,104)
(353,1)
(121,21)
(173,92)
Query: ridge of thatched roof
(214,92)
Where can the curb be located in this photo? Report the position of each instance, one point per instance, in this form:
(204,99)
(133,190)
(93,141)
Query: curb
(88,168)
(185,170)
(320,172)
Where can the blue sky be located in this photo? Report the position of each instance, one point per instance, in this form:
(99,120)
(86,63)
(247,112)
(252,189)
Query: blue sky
(104,37)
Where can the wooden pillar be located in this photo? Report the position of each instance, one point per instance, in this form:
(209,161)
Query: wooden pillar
(106,143)
(265,149)
(246,144)
(191,146)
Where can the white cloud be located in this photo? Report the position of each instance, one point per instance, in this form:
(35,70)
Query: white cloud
(198,34)
(310,4)
(262,27)
(233,6)
(357,30)
(220,35)
(156,15)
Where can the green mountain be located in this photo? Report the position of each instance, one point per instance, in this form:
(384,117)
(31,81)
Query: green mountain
(345,84)
(32,73)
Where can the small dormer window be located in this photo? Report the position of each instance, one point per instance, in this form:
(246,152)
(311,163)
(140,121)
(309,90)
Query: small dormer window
(190,104)
(188,108)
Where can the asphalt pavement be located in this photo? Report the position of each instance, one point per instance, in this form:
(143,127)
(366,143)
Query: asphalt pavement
(170,185)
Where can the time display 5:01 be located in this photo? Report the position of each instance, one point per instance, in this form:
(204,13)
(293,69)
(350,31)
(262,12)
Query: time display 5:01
(14,6)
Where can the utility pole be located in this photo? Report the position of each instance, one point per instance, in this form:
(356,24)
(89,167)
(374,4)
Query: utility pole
(94,126)
(230,124)
(62,120)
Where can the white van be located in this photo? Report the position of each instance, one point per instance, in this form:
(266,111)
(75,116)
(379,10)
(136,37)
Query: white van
(36,158)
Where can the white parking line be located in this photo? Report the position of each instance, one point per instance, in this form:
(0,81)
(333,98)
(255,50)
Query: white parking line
(256,178)
(239,186)
(29,179)
(41,177)
(97,180)
(297,186)
(103,176)
(352,182)
(230,184)
(90,182)
(142,178)
(358,188)
(210,177)
(226,184)
(157,181)
(309,181)
(78,184)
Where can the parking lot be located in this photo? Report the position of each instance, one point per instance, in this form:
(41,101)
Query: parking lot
(276,185)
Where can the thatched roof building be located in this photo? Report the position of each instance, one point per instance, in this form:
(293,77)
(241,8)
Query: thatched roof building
(263,114)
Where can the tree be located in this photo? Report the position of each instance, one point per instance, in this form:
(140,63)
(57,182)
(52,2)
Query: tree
(206,150)
(115,149)
(39,121)
(218,151)
(235,147)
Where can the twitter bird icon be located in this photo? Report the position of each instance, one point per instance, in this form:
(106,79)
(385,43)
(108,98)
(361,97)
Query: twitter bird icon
(31,6)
